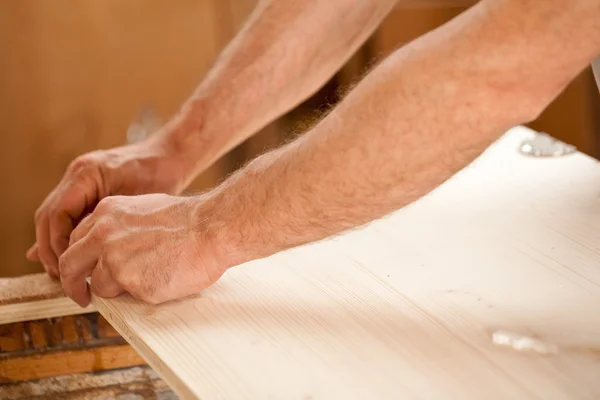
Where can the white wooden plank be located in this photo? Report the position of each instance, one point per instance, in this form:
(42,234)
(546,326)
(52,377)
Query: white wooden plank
(406,307)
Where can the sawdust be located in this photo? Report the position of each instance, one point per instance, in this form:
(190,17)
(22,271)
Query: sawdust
(27,288)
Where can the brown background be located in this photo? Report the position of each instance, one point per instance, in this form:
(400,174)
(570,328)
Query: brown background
(73,74)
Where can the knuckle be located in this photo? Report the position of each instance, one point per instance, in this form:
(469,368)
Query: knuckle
(53,211)
(59,206)
(56,218)
(136,286)
(105,204)
(102,228)
(109,260)
(126,280)
(40,213)
(74,237)
(64,263)
(81,163)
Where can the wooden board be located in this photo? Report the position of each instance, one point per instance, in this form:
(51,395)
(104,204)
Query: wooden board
(61,346)
(33,297)
(125,383)
(63,363)
(409,307)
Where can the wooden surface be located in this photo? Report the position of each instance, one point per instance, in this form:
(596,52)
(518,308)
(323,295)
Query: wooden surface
(33,297)
(76,361)
(28,288)
(409,306)
(49,352)
(59,346)
(42,309)
(130,383)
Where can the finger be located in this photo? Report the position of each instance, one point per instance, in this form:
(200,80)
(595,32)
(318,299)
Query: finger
(45,252)
(36,258)
(32,253)
(83,229)
(60,232)
(76,264)
(102,283)
(73,198)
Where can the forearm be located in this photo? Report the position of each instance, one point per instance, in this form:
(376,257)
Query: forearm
(418,118)
(435,3)
(285,52)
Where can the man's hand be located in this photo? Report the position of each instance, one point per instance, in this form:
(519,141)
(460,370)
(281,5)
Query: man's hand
(146,167)
(149,246)
(236,111)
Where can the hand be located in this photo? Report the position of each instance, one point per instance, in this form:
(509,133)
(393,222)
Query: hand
(149,246)
(146,167)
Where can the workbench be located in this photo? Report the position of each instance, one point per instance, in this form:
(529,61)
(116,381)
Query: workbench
(486,288)
(51,348)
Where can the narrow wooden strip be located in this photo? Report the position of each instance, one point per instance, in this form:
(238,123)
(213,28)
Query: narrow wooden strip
(68,362)
(74,332)
(35,296)
(40,309)
(28,288)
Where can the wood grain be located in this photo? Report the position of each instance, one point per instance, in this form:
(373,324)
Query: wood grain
(33,297)
(30,287)
(41,309)
(61,363)
(406,307)
(61,346)
(127,383)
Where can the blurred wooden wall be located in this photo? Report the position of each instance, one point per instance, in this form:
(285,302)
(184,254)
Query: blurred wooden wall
(73,74)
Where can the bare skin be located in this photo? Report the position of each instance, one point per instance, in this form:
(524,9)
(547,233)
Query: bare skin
(286,51)
(423,114)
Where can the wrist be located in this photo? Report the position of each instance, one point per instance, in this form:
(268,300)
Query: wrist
(216,233)
(189,145)
(232,219)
